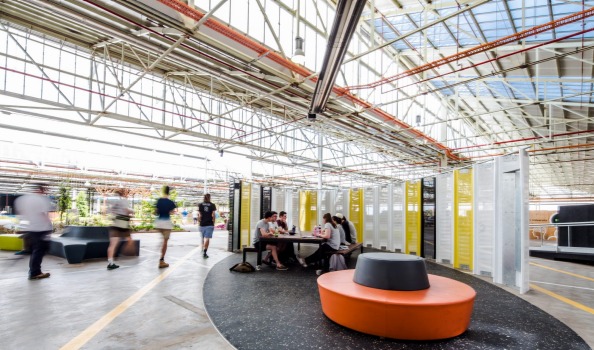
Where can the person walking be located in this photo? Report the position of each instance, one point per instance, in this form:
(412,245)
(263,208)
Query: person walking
(164,208)
(195,216)
(34,208)
(206,216)
(184,216)
(120,226)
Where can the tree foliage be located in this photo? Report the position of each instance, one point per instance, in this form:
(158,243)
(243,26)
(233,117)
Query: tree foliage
(82,205)
(64,199)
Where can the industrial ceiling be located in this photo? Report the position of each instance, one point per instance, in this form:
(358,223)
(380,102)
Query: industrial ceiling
(426,86)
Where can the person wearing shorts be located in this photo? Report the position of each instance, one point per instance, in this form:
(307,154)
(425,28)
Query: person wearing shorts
(164,208)
(120,226)
(206,216)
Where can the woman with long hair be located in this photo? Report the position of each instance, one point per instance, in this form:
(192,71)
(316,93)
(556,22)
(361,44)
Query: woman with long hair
(331,233)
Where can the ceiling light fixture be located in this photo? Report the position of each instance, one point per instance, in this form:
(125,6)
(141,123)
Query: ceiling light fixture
(299,56)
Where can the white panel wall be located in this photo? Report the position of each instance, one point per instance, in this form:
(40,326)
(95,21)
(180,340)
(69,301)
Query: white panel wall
(255,209)
(396,238)
(444,223)
(293,208)
(484,218)
(341,202)
(326,203)
(384,219)
(278,202)
(370,217)
(510,266)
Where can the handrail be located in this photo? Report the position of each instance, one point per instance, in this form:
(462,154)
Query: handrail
(556,224)
(561,224)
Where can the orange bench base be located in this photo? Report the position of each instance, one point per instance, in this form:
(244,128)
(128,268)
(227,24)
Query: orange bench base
(439,312)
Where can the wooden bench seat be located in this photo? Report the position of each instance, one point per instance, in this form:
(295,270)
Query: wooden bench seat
(251,250)
(344,252)
(352,247)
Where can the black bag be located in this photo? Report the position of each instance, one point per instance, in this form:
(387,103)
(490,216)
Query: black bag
(243,267)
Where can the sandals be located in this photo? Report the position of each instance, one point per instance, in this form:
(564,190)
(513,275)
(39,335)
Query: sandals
(282,268)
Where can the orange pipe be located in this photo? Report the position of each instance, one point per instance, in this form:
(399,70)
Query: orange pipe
(275,57)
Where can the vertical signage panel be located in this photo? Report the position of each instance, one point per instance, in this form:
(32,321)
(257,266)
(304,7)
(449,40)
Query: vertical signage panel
(413,218)
(463,219)
(356,211)
(246,199)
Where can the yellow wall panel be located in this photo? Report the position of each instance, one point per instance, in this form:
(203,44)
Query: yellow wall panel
(356,212)
(463,219)
(308,211)
(413,218)
(313,209)
(244,220)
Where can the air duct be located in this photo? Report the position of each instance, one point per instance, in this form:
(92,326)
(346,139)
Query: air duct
(348,13)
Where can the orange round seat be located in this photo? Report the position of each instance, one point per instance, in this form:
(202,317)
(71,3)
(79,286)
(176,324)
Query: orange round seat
(441,311)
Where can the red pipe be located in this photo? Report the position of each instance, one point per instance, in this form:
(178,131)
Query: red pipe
(491,60)
(482,48)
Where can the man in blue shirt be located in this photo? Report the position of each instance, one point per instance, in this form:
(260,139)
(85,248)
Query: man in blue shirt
(164,208)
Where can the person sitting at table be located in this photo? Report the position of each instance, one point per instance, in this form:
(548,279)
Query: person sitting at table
(329,232)
(343,240)
(350,232)
(263,230)
(287,250)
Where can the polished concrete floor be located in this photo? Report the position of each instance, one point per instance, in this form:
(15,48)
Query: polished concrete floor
(141,306)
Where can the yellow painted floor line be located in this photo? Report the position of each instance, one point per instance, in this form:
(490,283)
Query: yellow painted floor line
(563,299)
(86,335)
(561,271)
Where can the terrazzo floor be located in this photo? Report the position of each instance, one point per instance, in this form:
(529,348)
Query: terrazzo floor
(272,309)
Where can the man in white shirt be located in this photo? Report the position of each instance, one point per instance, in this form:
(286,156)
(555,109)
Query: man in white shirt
(34,208)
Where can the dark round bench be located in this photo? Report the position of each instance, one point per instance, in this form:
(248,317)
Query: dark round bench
(391,271)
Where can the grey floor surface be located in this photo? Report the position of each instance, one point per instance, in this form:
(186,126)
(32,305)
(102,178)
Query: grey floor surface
(48,314)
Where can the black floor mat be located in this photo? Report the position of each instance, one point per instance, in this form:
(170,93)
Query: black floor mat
(271,309)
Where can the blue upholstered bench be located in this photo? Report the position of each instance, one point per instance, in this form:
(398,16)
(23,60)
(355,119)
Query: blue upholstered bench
(78,243)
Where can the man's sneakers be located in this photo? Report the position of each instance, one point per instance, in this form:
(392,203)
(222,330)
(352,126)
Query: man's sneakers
(112,266)
(163,264)
(40,276)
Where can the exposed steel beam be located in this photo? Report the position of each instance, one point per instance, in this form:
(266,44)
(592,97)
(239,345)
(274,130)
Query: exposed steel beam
(578,16)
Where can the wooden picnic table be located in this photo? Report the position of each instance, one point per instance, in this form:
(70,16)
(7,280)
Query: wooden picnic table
(299,238)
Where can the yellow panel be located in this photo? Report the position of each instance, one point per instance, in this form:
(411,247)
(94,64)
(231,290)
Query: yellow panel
(313,209)
(244,220)
(356,212)
(412,204)
(463,219)
(304,219)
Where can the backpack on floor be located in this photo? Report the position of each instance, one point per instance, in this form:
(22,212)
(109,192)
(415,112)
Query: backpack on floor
(337,263)
(243,267)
